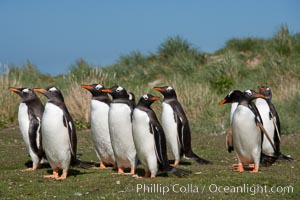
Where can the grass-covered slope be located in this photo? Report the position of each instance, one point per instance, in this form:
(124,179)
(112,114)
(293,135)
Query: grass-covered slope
(200,79)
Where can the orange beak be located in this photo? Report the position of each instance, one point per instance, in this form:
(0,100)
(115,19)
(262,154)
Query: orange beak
(155,98)
(16,90)
(158,89)
(261,89)
(106,91)
(222,102)
(86,86)
(260,96)
(40,90)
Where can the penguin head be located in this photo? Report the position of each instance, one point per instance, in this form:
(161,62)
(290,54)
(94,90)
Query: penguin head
(251,95)
(95,89)
(117,92)
(26,94)
(167,91)
(147,99)
(232,96)
(266,91)
(52,93)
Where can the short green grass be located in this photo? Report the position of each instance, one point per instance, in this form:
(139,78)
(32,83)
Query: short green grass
(103,184)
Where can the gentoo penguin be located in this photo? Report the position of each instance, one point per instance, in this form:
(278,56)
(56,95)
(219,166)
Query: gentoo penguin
(149,139)
(231,98)
(176,127)
(59,134)
(246,135)
(99,124)
(271,124)
(29,116)
(120,128)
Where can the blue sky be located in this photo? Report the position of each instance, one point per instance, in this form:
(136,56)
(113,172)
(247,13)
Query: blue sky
(54,34)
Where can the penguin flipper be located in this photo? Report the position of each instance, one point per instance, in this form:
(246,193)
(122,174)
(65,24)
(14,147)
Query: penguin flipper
(275,114)
(229,140)
(284,157)
(160,144)
(34,127)
(68,123)
(184,135)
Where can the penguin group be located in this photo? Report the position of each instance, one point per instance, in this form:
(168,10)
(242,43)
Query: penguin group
(123,133)
(254,131)
(126,133)
(48,132)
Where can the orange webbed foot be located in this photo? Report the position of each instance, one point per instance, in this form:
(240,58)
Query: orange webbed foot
(102,166)
(239,166)
(255,170)
(63,176)
(54,174)
(175,163)
(120,171)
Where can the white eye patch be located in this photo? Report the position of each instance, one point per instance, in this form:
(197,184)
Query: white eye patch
(53,89)
(145,97)
(119,89)
(169,88)
(248,92)
(98,87)
(25,90)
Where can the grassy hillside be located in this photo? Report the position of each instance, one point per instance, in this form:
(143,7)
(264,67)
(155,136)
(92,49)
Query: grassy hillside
(200,79)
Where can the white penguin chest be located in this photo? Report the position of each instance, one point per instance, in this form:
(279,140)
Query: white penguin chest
(120,117)
(143,139)
(233,108)
(140,123)
(55,133)
(170,128)
(268,123)
(120,129)
(99,116)
(243,119)
(264,111)
(246,135)
(168,120)
(23,119)
(120,126)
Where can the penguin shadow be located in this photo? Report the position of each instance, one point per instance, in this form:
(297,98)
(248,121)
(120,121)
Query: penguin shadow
(141,173)
(29,164)
(184,163)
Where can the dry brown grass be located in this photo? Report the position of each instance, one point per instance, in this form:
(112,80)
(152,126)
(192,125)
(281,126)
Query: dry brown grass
(78,99)
(8,101)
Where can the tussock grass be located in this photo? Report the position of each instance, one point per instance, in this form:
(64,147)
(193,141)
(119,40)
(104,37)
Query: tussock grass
(201,80)
(8,100)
